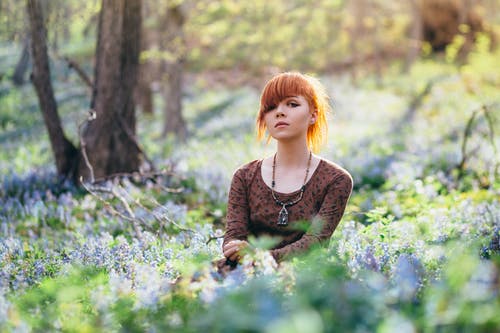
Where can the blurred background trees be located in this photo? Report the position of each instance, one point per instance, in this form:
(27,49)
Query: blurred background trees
(234,43)
(107,142)
(64,151)
(415,87)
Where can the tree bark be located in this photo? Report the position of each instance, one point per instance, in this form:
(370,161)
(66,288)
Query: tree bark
(109,140)
(173,23)
(64,151)
(22,64)
(143,92)
(174,121)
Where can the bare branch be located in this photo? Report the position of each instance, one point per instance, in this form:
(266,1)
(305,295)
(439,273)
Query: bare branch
(467,132)
(131,216)
(143,175)
(79,70)
(485,110)
(492,136)
(132,138)
(110,207)
(154,201)
(83,146)
(211,238)
(129,212)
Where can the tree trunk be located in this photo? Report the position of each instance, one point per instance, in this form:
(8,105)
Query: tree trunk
(64,151)
(143,92)
(173,23)
(415,36)
(109,141)
(174,122)
(441,22)
(377,43)
(22,64)
(356,36)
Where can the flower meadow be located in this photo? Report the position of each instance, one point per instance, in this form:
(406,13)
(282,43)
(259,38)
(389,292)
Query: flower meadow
(418,249)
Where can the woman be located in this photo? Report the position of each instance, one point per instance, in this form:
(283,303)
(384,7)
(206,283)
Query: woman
(279,195)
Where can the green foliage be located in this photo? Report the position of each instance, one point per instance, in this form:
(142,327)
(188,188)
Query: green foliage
(417,249)
(283,34)
(65,302)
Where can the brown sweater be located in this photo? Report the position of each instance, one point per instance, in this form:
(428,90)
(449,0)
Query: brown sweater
(252,210)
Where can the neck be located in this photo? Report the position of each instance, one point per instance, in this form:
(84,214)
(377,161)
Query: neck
(291,155)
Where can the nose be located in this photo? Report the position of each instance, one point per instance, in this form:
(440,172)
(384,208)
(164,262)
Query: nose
(279,111)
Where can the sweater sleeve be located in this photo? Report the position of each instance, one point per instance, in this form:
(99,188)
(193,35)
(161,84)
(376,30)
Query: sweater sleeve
(326,221)
(237,209)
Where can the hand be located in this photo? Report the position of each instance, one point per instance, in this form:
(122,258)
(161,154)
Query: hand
(233,249)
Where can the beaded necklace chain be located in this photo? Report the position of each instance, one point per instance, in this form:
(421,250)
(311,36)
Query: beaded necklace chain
(283,215)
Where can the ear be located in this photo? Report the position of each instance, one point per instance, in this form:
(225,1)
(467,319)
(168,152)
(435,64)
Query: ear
(314,116)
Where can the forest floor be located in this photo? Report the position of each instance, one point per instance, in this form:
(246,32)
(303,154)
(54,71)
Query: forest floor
(417,250)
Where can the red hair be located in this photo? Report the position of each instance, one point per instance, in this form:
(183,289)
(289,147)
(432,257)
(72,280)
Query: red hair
(289,84)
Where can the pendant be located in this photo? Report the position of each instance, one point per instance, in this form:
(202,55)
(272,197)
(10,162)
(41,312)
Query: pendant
(283,216)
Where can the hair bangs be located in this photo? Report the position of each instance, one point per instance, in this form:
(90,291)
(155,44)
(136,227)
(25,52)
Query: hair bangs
(282,87)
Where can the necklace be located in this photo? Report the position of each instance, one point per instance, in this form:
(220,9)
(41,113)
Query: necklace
(283,215)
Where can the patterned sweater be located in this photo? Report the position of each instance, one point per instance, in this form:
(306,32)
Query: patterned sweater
(252,210)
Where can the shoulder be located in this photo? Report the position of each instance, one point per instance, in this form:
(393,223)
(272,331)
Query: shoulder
(248,170)
(335,173)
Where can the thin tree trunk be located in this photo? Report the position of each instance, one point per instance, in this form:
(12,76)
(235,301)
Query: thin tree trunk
(174,122)
(64,151)
(377,44)
(109,140)
(143,92)
(463,12)
(22,65)
(175,45)
(415,36)
(356,33)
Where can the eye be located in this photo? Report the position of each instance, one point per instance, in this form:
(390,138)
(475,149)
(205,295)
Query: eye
(293,104)
(270,107)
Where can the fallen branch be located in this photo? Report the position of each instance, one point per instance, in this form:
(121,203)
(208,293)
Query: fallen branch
(143,176)
(159,218)
(132,218)
(93,189)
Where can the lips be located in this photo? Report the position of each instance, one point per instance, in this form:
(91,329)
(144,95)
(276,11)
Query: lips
(281,123)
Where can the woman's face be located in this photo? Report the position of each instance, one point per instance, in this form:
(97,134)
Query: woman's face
(290,119)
